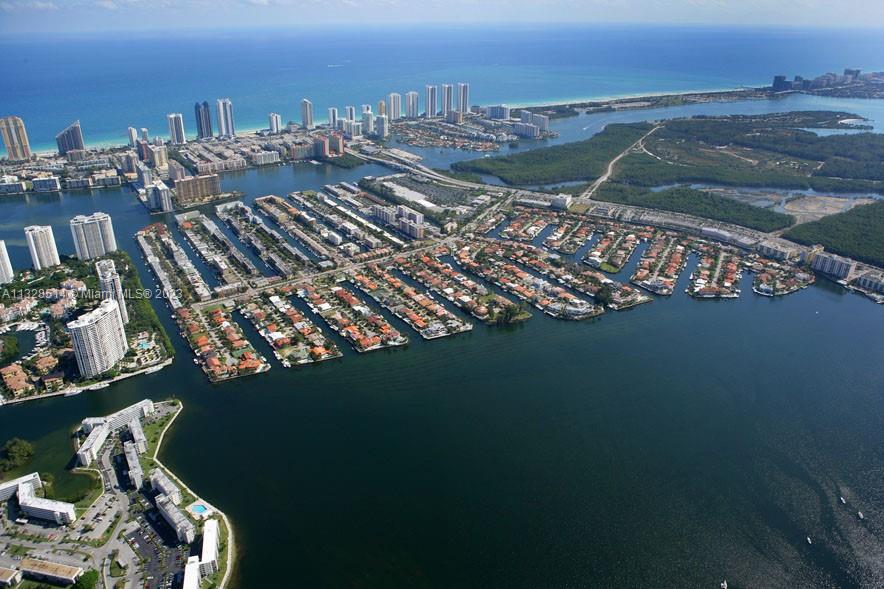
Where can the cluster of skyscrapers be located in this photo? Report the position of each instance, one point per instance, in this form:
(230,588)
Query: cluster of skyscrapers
(438,101)
(98,337)
(18,148)
(93,237)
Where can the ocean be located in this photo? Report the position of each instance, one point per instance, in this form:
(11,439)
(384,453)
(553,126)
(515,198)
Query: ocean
(114,81)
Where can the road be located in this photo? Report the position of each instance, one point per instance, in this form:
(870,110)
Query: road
(587,194)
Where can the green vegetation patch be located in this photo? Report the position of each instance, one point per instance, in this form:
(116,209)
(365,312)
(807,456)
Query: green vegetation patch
(696,202)
(773,150)
(347,161)
(857,233)
(582,160)
(8,349)
(14,454)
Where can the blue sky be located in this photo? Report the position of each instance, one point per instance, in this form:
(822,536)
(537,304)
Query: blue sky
(32,16)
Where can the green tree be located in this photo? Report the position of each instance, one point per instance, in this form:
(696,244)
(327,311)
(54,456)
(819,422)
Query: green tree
(88,580)
(15,453)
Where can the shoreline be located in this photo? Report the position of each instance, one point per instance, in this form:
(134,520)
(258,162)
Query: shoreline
(231,543)
(107,143)
(78,390)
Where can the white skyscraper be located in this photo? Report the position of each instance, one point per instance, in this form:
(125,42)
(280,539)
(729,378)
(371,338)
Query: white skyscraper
(432,100)
(145,136)
(463,97)
(133,136)
(226,127)
(41,243)
(367,123)
(93,235)
(307,114)
(394,106)
(350,113)
(275,122)
(412,105)
(333,117)
(447,99)
(111,286)
(6,273)
(382,126)
(99,339)
(176,128)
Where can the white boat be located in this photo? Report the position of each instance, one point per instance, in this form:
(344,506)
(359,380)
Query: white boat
(723,584)
(73,393)
(153,369)
(98,387)
(860,515)
(809,541)
(843,502)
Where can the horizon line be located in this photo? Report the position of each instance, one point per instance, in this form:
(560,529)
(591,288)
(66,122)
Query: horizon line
(20,34)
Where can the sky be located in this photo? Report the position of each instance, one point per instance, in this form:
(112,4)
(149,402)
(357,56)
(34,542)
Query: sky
(83,16)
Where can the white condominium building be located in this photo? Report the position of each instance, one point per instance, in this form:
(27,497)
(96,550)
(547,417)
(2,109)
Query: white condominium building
(394,108)
(164,486)
(6,272)
(275,122)
(138,437)
(25,487)
(432,100)
(99,428)
(41,243)
(99,339)
(133,465)
(192,575)
(115,421)
(447,99)
(91,446)
(209,555)
(184,528)
(111,286)
(463,97)
(176,128)
(226,127)
(412,105)
(93,235)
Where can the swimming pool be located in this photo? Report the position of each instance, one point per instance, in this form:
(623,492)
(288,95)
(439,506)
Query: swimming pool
(199,509)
